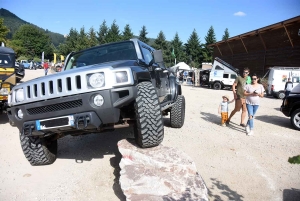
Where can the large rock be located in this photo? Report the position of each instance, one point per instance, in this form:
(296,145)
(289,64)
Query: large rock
(158,173)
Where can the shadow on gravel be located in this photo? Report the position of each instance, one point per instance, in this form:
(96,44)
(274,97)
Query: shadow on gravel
(291,194)
(94,146)
(225,190)
(3,118)
(216,119)
(276,120)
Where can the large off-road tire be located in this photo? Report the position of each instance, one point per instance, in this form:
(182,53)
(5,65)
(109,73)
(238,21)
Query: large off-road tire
(149,128)
(38,151)
(178,113)
(295,119)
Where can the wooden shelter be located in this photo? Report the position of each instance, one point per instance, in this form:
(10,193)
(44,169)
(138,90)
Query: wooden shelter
(274,45)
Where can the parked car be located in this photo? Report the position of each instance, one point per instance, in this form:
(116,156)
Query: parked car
(291,107)
(38,65)
(20,72)
(25,63)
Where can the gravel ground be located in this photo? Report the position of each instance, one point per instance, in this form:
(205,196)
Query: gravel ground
(233,165)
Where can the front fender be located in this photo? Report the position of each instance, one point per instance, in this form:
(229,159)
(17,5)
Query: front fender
(175,88)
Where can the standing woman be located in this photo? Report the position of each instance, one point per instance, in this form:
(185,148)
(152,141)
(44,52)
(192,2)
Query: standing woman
(253,93)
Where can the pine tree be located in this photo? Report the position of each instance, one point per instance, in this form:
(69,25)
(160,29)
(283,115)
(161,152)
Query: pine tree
(102,33)
(70,43)
(143,35)
(92,38)
(193,50)
(226,35)
(179,52)
(82,40)
(160,43)
(127,33)
(113,34)
(210,38)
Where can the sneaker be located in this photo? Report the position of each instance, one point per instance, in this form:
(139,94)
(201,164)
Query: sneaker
(227,122)
(247,128)
(250,133)
(223,125)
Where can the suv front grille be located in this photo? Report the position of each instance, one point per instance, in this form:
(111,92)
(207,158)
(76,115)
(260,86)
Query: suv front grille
(55,107)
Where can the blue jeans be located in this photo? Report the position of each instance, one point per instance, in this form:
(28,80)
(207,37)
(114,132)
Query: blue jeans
(251,112)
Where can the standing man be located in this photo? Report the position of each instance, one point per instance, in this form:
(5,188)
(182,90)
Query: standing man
(46,66)
(238,93)
(288,87)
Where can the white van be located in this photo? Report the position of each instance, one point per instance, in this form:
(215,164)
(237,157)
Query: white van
(222,74)
(278,76)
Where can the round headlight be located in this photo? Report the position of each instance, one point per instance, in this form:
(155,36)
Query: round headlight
(4,91)
(97,80)
(20,113)
(19,95)
(98,100)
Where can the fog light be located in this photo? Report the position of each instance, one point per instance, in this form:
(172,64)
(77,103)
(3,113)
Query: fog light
(98,100)
(20,114)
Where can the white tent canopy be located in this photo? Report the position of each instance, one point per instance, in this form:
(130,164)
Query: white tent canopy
(183,66)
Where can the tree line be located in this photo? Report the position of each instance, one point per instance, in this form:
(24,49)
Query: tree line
(28,41)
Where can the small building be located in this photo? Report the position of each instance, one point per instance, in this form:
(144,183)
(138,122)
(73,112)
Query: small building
(274,45)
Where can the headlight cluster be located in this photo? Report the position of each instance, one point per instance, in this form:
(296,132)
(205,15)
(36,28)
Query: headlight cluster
(4,91)
(19,95)
(96,80)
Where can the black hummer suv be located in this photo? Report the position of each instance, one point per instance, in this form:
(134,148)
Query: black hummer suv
(291,107)
(109,86)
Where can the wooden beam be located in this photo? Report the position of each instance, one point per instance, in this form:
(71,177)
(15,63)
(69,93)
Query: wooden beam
(262,40)
(229,47)
(219,49)
(244,44)
(287,34)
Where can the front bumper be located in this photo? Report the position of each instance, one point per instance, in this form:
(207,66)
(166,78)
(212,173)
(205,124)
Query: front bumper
(80,106)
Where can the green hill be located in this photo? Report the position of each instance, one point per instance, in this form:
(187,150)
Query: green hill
(13,22)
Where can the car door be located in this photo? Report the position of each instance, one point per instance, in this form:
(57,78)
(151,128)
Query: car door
(159,74)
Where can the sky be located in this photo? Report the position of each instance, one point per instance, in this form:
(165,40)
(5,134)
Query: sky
(181,16)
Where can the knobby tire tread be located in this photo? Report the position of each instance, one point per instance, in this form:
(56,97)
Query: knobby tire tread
(149,129)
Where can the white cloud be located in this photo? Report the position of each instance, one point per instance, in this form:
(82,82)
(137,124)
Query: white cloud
(240,14)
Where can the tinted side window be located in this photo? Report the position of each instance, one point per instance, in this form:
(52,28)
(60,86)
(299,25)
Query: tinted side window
(225,75)
(219,68)
(233,76)
(147,55)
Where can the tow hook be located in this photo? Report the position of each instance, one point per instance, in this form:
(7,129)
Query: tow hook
(81,122)
(27,129)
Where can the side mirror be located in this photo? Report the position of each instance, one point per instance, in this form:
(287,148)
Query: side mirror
(158,56)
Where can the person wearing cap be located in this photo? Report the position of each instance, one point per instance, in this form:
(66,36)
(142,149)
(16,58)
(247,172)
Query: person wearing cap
(223,109)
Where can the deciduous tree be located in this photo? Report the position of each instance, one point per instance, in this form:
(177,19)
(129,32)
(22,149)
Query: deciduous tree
(3,31)
(33,41)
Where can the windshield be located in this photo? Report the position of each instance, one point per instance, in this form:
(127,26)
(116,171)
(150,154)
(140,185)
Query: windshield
(102,54)
(6,60)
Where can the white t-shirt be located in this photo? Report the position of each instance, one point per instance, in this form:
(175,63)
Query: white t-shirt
(253,100)
(224,106)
